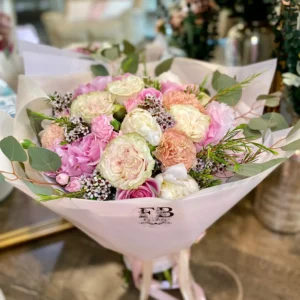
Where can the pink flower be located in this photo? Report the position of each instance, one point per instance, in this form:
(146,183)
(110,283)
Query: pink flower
(114,135)
(152,92)
(74,185)
(82,156)
(222,119)
(120,77)
(52,135)
(132,103)
(102,128)
(149,189)
(98,84)
(62,179)
(169,86)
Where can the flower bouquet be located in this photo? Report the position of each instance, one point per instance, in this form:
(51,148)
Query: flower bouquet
(145,165)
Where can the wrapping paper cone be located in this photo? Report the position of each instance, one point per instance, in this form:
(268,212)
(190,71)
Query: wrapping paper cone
(145,228)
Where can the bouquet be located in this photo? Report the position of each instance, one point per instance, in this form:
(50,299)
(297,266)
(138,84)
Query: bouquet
(144,165)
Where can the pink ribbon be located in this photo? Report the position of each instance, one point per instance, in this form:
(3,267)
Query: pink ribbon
(156,291)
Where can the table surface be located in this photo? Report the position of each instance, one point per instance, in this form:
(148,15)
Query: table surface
(70,266)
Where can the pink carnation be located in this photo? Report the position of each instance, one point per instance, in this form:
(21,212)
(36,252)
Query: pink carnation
(98,84)
(80,157)
(150,92)
(171,86)
(132,103)
(222,120)
(148,189)
(102,128)
(74,185)
(62,179)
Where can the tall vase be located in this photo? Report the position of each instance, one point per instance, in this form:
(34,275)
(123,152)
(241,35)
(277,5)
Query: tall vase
(249,43)
(277,198)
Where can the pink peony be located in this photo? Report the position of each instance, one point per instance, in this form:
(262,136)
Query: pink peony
(222,120)
(148,189)
(102,128)
(82,156)
(150,92)
(74,185)
(98,84)
(169,86)
(132,103)
(62,179)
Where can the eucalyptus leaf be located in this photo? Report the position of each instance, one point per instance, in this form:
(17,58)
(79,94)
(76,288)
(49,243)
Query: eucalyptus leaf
(112,53)
(294,129)
(99,70)
(294,146)
(252,169)
(128,47)
(12,149)
(2,178)
(274,121)
(164,66)
(39,189)
(43,160)
(251,134)
(130,63)
(272,100)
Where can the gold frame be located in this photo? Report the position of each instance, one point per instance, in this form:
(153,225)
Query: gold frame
(33,232)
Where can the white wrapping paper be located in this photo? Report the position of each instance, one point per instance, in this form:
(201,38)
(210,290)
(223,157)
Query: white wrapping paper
(127,226)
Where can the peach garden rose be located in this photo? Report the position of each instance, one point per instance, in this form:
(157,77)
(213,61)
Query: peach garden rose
(126,162)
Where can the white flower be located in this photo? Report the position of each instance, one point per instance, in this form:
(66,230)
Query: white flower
(291,79)
(191,121)
(126,162)
(175,183)
(169,76)
(125,88)
(92,105)
(140,121)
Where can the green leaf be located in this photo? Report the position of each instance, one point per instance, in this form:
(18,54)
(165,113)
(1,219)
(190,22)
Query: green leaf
(251,134)
(27,144)
(128,47)
(12,149)
(253,169)
(274,121)
(39,189)
(272,100)
(130,63)
(221,82)
(119,112)
(294,129)
(99,70)
(164,66)
(2,178)
(294,146)
(43,160)
(112,53)
(36,119)
(115,124)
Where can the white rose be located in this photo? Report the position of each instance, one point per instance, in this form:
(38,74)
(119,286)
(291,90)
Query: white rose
(92,105)
(127,87)
(169,76)
(191,121)
(175,183)
(140,121)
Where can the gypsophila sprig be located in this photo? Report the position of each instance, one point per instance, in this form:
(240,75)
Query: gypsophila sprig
(60,104)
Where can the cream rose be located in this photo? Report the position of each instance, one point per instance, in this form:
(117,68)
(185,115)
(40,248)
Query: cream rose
(140,121)
(175,183)
(191,121)
(125,88)
(92,105)
(126,162)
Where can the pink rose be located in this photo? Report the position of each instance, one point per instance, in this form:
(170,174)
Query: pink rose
(114,135)
(98,84)
(222,120)
(148,189)
(80,157)
(62,179)
(74,185)
(150,92)
(102,128)
(169,86)
(132,103)
(120,77)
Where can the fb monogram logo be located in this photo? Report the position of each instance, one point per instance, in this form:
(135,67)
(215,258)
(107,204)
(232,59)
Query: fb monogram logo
(155,216)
